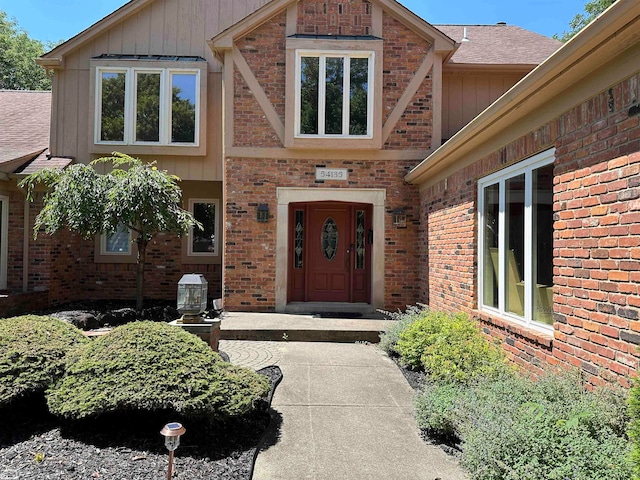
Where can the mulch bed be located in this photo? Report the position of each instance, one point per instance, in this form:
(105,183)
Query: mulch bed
(36,445)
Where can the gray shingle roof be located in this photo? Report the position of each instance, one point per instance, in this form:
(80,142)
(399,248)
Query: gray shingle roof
(25,117)
(499,44)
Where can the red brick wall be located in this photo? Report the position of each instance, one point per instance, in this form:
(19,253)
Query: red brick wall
(251,246)
(321,17)
(264,50)
(403,53)
(596,240)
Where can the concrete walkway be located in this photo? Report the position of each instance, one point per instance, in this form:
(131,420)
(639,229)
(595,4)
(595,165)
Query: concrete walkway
(346,413)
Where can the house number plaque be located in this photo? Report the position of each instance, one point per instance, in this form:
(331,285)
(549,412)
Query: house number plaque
(332,174)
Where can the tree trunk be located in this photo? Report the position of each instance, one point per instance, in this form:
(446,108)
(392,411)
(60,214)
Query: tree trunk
(142,255)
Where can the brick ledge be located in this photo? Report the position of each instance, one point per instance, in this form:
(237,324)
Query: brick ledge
(541,338)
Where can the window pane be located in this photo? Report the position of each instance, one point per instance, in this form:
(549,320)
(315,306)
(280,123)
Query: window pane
(359,93)
(543,244)
(334,95)
(309,74)
(329,239)
(112,121)
(148,107)
(204,240)
(118,242)
(183,107)
(514,236)
(298,252)
(360,239)
(491,278)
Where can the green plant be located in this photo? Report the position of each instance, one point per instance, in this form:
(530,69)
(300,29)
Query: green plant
(449,348)
(436,409)
(32,352)
(389,338)
(147,366)
(551,429)
(634,427)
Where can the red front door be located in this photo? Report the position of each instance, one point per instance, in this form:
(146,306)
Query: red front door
(330,252)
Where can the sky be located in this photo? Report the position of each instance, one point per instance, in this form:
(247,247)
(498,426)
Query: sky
(53,20)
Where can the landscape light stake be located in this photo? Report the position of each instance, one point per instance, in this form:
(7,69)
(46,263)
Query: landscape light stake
(172,433)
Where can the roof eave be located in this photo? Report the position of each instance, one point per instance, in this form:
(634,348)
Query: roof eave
(600,40)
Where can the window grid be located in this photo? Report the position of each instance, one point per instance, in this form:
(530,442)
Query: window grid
(131,105)
(507,263)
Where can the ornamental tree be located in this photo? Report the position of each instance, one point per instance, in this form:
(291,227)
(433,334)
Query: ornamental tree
(142,198)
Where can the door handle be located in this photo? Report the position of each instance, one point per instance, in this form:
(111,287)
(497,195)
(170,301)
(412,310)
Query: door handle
(348,257)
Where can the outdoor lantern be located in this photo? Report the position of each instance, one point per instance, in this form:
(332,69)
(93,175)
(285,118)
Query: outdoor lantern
(399,217)
(172,433)
(263,213)
(192,295)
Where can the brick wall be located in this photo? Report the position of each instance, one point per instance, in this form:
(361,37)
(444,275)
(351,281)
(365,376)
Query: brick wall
(320,17)
(404,52)
(596,240)
(264,51)
(250,246)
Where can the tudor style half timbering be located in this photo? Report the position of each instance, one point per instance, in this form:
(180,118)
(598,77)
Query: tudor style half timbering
(314,87)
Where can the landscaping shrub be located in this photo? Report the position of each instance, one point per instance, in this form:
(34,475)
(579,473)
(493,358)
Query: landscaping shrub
(515,428)
(147,366)
(449,348)
(32,352)
(389,338)
(634,427)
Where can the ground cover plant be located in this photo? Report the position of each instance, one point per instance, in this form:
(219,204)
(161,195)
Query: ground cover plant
(32,354)
(507,426)
(150,366)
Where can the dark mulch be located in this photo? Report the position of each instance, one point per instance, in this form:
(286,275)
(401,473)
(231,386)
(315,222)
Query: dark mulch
(36,445)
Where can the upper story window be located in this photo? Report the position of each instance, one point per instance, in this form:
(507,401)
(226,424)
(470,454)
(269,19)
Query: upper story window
(152,106)
(515,247)
(333,94)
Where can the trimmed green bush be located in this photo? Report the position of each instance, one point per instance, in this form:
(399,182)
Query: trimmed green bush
(32,352)
(148,366)
(449,348)
(515,428)
(634,427)
(389,338)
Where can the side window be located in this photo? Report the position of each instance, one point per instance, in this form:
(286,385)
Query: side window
(204,242)
(117,243)
(516,242)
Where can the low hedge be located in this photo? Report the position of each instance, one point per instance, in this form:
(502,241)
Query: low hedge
(514,428)
(148,366)
(449,348)
(32,353)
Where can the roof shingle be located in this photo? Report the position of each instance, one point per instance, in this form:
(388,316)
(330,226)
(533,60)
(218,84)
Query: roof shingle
(499,44)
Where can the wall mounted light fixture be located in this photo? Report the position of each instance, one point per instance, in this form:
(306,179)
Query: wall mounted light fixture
(263,213)
(399,218)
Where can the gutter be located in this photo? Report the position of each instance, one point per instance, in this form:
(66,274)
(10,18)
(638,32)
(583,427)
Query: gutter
(605,38)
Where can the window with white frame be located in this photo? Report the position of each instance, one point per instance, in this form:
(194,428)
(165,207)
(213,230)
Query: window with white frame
(147,106)
(204,241)
(333,94)
(515,242)
(116,243)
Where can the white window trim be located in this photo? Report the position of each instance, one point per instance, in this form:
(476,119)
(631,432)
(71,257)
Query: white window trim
(4,241)
(322,55)
(103,246)
(214,253)
(130,105)
(525,167)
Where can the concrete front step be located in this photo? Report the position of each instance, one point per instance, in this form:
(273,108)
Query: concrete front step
(300,328)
